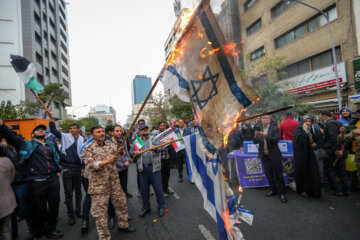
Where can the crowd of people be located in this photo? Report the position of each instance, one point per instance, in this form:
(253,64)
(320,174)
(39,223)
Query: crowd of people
(322,144)
(98,162)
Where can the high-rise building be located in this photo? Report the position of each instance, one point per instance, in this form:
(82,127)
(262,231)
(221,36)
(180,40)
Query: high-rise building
(140,87)
(36,29)
(105,114)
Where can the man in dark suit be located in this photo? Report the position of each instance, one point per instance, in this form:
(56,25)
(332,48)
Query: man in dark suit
(271,157)
(180,155)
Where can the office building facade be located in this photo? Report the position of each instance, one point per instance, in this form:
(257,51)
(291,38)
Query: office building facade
(37,30)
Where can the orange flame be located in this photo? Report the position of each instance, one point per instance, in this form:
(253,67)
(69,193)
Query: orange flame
(227,224)
(200,76)
(212,52)
(235,123)
(202,55)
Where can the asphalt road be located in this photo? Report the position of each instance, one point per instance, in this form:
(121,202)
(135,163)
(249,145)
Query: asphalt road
(327,218)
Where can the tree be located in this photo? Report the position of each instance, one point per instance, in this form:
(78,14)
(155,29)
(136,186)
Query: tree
(109,123)
(180,109)
(158,109)
(11,111)
(52,92)
(272,94)
(88,122)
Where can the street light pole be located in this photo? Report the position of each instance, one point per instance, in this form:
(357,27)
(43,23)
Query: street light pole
(332,48)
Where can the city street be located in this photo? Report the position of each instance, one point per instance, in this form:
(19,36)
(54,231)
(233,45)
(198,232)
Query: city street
(326,218)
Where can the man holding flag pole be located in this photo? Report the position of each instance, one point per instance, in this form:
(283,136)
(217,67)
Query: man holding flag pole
(149,167)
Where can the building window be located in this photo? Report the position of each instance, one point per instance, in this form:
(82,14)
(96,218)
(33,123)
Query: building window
(62,13)
(45,34)
(54,56)
(304,28)
(65,71)
(46,53)
(257,54)
(52,24)
(63,24)
(67,96)
(64,58)
(52,39)
(62,3)
(54,72)
(38,38)
(51,8)
(63,46)
(57,105)
(310,64)
(44,17)
(40,78)
(39,58)
(37,18)
(320,20)
(47,72)
(37,2)
(325,59)
(280,7)
(63,35)
(249,3)
(254,27)
(66,83)
(260,81)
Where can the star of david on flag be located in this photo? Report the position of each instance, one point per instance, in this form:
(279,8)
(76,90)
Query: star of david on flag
(212,82)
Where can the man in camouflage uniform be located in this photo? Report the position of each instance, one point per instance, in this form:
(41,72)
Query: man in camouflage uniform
(104,184)
(353,135)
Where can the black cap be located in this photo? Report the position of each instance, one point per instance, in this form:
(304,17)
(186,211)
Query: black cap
(143,126)
(39,126)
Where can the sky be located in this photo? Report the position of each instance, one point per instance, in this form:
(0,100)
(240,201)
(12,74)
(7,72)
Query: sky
(110,42)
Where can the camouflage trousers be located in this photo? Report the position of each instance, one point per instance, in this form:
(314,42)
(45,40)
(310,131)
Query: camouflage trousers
(99,210)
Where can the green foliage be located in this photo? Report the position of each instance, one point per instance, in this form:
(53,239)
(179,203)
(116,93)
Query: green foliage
(180,109)
(52,92)
(157,109)
(272,97)
(11,111)
(109,123)
(268,64)
(88,122)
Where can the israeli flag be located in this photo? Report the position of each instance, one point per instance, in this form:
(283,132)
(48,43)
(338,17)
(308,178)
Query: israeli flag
(207,174)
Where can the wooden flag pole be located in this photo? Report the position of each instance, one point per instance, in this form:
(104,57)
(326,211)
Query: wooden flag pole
(46,109)
(137,116)
(264,113)
(161,145)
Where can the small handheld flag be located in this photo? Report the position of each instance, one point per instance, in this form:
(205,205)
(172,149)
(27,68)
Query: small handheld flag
(26,71)
(138,143)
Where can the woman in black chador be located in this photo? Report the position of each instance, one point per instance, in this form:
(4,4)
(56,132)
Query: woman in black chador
(306,168)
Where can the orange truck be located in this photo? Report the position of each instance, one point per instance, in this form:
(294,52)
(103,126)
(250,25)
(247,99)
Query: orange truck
(25,126)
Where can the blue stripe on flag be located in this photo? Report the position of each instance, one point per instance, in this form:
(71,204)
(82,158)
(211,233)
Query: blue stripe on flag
(182,82)
(224,63)
(208,185)
(188,166)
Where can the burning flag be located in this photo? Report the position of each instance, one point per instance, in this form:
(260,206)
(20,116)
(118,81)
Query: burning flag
(201,70)
(207,174)
(26,71)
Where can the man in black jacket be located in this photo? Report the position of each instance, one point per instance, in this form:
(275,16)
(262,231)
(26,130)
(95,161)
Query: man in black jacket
(73,167)
(334,163)
(271,157)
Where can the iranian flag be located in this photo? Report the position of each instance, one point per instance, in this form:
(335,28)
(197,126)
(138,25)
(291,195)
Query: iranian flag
(178,145)
(27,72)
(138,143)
